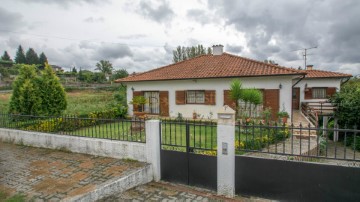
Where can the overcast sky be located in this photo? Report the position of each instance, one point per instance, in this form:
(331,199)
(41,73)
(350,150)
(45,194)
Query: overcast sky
(140,35)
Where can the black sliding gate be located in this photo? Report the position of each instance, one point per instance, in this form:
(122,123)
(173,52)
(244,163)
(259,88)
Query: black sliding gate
(188,153)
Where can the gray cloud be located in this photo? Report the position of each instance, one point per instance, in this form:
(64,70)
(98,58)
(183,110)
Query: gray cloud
(233,48)
(276,28)
(160,13)
(199,16)
(112,51)
(93,20)
(9,21)
(67,3)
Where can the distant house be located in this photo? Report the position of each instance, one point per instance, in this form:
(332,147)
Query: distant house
(57,68)
(202,84)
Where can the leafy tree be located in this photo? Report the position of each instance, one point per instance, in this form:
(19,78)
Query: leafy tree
(52,92)
(118,74)
(20,57)
(104,66)
(6,56)
(251,96)
(42,60)
(236,93)
(347,103)
(31,57)
(185,53)
(25,98)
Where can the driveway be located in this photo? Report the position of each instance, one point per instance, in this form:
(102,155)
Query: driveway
(53,175)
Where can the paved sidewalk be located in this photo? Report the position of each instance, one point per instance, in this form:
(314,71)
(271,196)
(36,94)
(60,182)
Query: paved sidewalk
(52,175)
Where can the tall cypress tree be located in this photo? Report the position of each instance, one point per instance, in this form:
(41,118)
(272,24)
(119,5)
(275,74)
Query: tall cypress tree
(6,56)
(32,57)
(52,92)
(25,98)
(42,60)
(20,56)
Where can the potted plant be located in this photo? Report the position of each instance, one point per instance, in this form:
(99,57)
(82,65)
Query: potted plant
(283,115)
(139,102)
(194,115)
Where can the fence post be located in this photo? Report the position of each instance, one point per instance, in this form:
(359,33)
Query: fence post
(336,132)
(152,131)
(325,123)
(226,152)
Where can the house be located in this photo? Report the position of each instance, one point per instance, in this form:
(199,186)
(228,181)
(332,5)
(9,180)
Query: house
(201,84)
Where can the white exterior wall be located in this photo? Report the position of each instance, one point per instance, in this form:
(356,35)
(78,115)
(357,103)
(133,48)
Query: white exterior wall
(311,83)
(219,85)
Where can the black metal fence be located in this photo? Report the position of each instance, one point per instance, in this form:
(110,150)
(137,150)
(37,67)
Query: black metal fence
(196,135)
(297,141)
(113,129)
(293,142)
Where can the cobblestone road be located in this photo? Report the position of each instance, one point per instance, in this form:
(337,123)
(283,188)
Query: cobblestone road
(51,175)
(163,191)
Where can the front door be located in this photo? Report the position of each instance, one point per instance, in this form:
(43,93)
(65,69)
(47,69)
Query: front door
(296,98)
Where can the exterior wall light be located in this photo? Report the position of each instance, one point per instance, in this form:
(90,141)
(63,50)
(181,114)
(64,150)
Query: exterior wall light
(132,88)
(280,86)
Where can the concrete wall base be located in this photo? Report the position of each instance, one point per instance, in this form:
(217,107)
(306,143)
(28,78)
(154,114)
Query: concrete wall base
(139,177)
(98,147)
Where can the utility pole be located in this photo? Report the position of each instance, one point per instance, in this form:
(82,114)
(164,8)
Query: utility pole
(305,49)
(305,54)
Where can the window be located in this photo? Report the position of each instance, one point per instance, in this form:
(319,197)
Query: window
(319,93)
(153,105)
(195,97)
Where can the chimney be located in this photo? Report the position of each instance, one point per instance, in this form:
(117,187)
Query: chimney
(309,67)
(218,49)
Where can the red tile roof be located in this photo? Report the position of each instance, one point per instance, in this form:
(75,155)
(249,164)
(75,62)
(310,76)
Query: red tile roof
(209,66)
(324,74)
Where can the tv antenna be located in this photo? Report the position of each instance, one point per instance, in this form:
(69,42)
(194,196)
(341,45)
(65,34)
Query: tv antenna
(305,54)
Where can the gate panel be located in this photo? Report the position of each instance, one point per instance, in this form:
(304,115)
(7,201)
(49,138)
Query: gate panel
(287,180)
(174,166)
(203,171)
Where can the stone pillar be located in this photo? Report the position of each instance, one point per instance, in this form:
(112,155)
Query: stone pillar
(152,131)
(226,152)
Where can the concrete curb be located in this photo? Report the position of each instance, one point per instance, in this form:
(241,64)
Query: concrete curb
(136,178)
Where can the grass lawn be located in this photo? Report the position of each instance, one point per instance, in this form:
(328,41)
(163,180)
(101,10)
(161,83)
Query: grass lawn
(79,102)
(116,131)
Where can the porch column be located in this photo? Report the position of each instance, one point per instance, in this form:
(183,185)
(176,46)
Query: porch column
(226,152)
(152,131)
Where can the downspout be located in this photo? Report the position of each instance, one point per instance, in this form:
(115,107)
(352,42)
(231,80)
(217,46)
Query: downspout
(343,82)
(292,110)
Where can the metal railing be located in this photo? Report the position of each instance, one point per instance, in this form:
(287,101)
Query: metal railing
(113,129)
(193,135)
(299,142)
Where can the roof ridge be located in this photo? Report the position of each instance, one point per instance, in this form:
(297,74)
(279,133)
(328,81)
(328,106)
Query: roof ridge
(320,70)
(260,62)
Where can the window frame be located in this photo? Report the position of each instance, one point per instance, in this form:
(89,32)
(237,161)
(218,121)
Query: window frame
(319,88)
(196,91)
